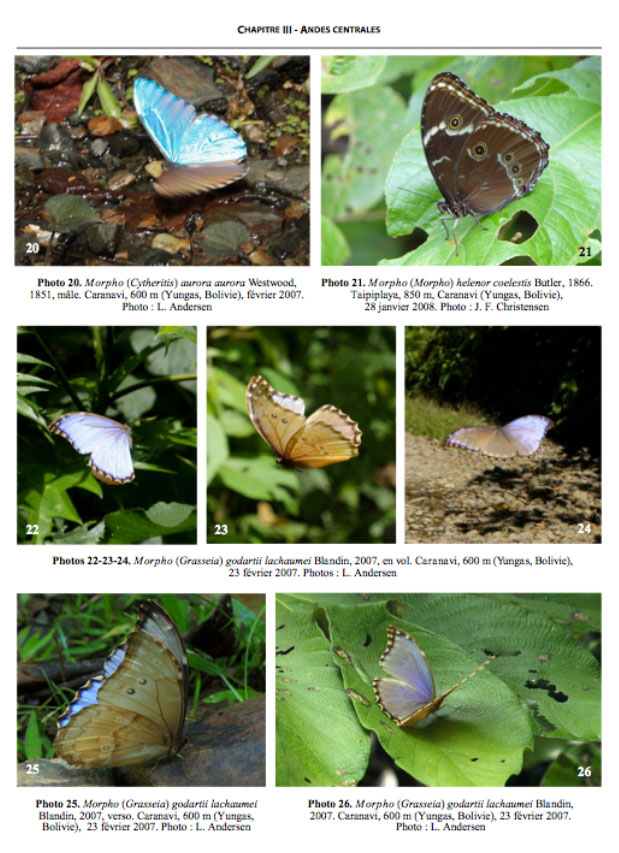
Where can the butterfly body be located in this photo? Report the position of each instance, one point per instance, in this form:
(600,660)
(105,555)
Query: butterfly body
(410,696)
(206,150)
(480,159)
(133,713)
(324,438)
(521,437)
(107,441)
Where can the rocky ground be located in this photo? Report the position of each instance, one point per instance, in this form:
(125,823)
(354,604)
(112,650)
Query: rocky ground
(457,496)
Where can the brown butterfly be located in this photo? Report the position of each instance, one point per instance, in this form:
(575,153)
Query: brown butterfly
(134,712)
(326,437)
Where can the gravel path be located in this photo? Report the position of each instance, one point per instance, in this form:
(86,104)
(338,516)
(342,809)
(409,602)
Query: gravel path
(456,496)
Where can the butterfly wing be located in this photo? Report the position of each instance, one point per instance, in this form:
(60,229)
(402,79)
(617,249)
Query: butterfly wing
(328,436)
(134,713)
(107,441)
(198,179)
(527,433)
(210,140)
(411,697)
(276,416)
(445,123)
(165,117)
(521,437)
(205,144)
(501,162)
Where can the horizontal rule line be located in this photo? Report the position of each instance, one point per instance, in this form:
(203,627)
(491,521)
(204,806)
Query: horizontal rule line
(307,48)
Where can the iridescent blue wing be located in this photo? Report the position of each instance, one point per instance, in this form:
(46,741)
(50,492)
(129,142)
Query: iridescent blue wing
(107,441)
(181,137)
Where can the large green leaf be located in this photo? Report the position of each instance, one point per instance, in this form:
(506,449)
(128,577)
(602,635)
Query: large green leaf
(319,739)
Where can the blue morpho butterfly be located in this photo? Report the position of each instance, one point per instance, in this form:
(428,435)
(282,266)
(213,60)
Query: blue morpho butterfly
(521,437)
(411,697)
(107,441)
(206,148)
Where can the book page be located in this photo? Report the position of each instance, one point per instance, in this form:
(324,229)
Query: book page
(314,358)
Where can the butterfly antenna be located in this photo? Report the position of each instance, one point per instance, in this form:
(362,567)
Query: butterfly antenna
(475,671)
(416,192)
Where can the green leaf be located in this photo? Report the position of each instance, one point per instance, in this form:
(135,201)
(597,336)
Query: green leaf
(69,212)
(87,92)
(353,182)
(346,73)
(334,248)
(32,741)
(223,239)
(319,740)
(110,105)
(129,526)
(259,65)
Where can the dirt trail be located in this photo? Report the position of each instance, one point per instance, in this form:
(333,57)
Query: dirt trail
(456,496)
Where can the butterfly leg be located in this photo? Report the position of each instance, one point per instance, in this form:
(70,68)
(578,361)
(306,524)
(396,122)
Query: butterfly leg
(454,220)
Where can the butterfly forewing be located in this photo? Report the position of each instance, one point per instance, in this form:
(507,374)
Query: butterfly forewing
(276,416)
(446,122)
(208,147)
(409,698)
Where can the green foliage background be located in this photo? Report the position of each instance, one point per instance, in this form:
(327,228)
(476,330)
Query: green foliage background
(513,371)
(258,501)
(142,376)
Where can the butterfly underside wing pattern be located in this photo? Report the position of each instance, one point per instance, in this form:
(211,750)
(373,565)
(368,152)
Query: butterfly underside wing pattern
(324,438)
(134,713)
(480,159)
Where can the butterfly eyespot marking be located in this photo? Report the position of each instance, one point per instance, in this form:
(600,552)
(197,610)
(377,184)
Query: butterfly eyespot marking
(479,152)
(111,724)
(507,157)
(515,169)
(455,122)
